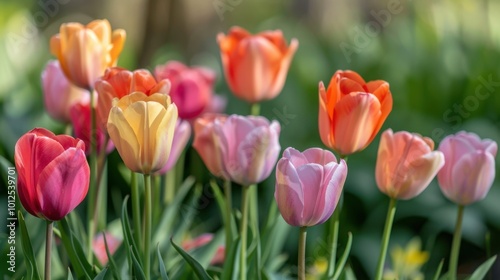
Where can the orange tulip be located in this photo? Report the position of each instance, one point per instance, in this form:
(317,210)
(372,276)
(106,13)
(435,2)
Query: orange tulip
(255,66)
(85,52)
(351,111)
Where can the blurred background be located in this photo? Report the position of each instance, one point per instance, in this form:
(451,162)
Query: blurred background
(441,59)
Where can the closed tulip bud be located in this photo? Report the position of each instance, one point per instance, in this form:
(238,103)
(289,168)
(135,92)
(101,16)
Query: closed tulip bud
(241,149)
(53,173)
(182,132)
(192,87)
(58,93)
(351,111)
(308,185)
(80,119)
(469,170)
(86,51)
(255,66)
(118,82)
(99,246)
(406,164)
(142,129)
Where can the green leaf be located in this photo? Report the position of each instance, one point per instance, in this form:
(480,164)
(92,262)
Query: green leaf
(138,272)
(111,261)
(438,271)
(101,275)
(232,261)
(197,268)
(132,251)
(483,269)
(27,248)
(343,259)
(161,264)
(70,275)
(66,237)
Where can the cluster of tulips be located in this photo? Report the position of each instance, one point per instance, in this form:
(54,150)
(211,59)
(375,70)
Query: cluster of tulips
(149,119)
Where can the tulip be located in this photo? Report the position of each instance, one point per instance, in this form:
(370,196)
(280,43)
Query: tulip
(198,242)
(58,93)
(118,82)
(192,88)
(142,129)
(53,173)
(219,257)
(469,170)
(406,164)
(86,51)
(255,66)
(351,111)
(99,246)
(241,149)
(308,185)
(182,132)
(80,119)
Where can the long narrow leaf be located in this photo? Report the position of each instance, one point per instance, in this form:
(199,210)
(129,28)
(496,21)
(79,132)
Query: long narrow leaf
(438,271)
(111,261)
(66,237)
(232,261)
(161,264)
(28,249)
(197,268)
(483,269)
(343,259)
(101,275)
(138,271)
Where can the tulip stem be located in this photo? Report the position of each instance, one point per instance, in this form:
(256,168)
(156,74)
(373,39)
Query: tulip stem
(136,208)
(455,247)
(170,179)
(147,225)
(48,249)
(335,224)
(302,253)
(243,234)
(93,178)
(385,238)
(229,209)
(255,109)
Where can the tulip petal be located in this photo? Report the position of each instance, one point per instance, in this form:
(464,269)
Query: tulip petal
(289,193)
(85,56)
(117,41)
(453,148)
(63,184)
(102,29)
(164,136)
(472,177)
(351,75)
(324,118)
(334,176)
(286,60)
(295,157)
(319,156)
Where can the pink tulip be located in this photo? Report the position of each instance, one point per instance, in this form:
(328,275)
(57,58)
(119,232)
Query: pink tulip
(53,173)
(58,93)
(192,88)
(182,132)
(80,119)
(241,149)
(99,246)
(219,256)
(198,242)
(469,170)
(406,164)
(308,185)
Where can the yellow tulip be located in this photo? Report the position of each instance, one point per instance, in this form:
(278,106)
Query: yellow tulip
(142,128)
(86,51)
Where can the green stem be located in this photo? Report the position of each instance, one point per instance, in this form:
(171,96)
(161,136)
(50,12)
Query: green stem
(147,225)
(255,109)
(334,235)
(229,210)
(385,238)
(455,247)
(243,233)
(302,253)
(48,249)
(169,186)
(136,209)
(93,179)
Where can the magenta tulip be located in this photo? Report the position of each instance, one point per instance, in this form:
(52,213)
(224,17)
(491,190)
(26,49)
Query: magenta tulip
(308,185)
(192,87)
(59,94)
(53,173)
(241,149)
(469,170)
(182,132)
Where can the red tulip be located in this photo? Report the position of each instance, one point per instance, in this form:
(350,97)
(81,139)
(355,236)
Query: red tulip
(53,173)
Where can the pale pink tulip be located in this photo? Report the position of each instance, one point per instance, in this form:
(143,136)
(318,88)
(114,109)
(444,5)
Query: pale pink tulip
(182,132)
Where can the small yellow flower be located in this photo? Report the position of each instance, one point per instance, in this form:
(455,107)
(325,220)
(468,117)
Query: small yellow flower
(318,269)
(407,261)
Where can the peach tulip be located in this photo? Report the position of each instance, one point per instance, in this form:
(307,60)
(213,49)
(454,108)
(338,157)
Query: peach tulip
(59,94)
(241,149)
(85,51)
(192,87)
(255,66)
(469,170)
(118,82)
(308,185)
(406,164)
(142,129)
(351,111)
(53,173)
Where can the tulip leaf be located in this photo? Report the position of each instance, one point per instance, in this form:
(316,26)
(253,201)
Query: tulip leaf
(161,264)
(101,275)
(221,202)
(132,251)
(232,261)
(28,249)
(483,269)
(138,272)
(81,266)
(70,275)
(111,261)
(438,271)
(343,259)
(196,266)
